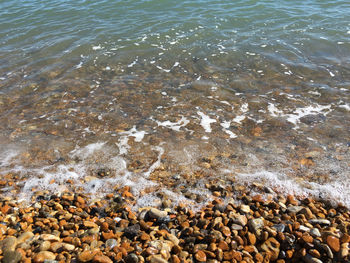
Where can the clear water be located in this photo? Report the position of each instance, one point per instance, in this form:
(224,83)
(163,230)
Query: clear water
(168,96)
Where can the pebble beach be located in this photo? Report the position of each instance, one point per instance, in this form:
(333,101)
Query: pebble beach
(174,131)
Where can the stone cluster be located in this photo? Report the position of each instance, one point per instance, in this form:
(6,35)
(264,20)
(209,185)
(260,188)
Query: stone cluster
(75,228)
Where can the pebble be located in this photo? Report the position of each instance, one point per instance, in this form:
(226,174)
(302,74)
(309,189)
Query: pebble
(333,243)
(272,247)
(245,209)
(111,243)
(86,256)
(309,259)
(200,256)
(294,209)
(156,213)
(8,244)
(320,221)
(11,257)
(256,224)
(132,258)
(24,237)
(43,256)
(315,232)
(275,229)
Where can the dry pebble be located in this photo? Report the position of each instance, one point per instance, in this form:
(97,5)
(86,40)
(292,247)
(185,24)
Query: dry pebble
(74,228)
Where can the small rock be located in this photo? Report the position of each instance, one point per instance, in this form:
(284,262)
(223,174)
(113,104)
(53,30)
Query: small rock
(344,250)
(310,259)
(304,229)
(132,231)
(11,257)
(272,247)
(279,227)
(157,259)
(320,221)
(24,237)
(240,220)
(49,237)
(90,224)
(43,256)
(200,256)
(333,243)
(44,246)
(173,239)
(315,232)
(294,209)
(131,258)
(111,243)
(8,244)
(102,259)
(244,209)
(86,256)
(156,213)
(256,224)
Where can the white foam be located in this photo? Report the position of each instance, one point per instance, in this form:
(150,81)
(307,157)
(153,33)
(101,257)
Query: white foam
(133,63)
(239,119)
(87,151)
(97,47)
(309,110)
(244,107)
(176,126)
(124,139)
(345,106)
(274,111)
(336,191)
(206,121)
(165,70)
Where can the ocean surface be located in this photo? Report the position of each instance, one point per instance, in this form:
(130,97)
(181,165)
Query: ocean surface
(168,96)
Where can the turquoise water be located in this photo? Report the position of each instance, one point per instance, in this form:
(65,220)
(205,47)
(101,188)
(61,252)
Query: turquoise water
(243,90)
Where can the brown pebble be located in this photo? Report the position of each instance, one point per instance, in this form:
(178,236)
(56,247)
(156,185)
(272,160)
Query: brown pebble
(251,238)
(314,253)
(333,243)
(102,259)
(86,256)
(44,255)
(223,245)
(201,256)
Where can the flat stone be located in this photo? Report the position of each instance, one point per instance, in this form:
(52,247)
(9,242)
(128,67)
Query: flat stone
(8,244)
(304,229)
(320,221)
(11,257)
(90,224)
(49,237)
(294,209)
(333,243)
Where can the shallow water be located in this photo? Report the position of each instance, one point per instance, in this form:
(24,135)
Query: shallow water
(167,96)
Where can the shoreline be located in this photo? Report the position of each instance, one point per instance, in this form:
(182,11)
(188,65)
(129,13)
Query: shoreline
(75,228)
